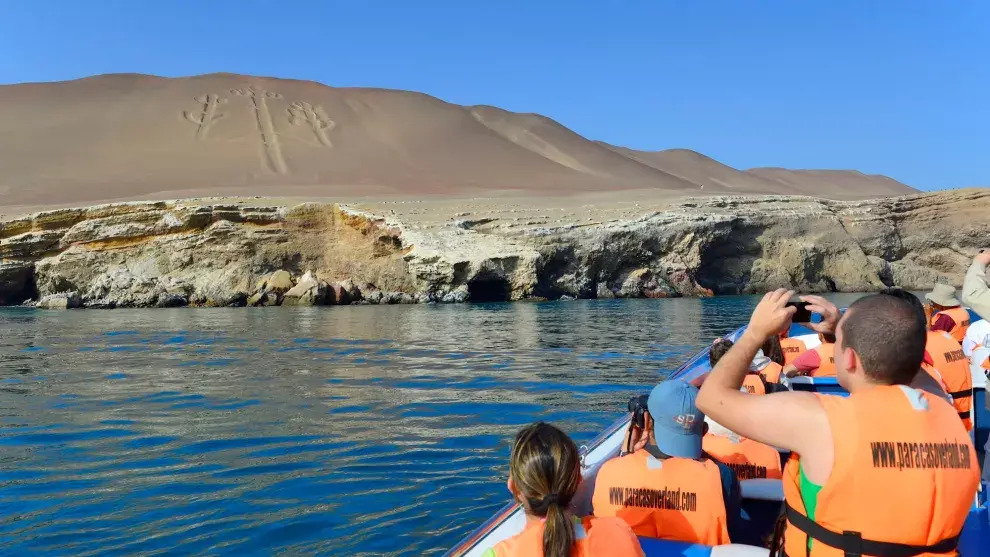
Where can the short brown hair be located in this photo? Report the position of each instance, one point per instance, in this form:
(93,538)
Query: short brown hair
(718,349)
(889,337)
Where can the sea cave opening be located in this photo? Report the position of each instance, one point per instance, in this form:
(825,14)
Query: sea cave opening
(488,290)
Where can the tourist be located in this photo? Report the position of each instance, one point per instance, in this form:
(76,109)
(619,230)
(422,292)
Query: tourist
(947,314)
(817,362)
(748,459)
(764,373)
(977,336)
(754,382)
(792,347)
(895,468)
(544,474)
(774,352)
(976,295)
(975,292)
(667,457)
(945,362)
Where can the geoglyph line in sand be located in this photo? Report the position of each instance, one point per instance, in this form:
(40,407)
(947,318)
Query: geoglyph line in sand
(266,127)
(315,117)
(207,115)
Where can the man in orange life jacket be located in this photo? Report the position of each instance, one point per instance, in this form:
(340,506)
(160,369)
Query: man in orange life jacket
(947,313)
(666,487)
(889,470)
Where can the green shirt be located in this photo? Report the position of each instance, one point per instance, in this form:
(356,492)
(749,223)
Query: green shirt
(809,495)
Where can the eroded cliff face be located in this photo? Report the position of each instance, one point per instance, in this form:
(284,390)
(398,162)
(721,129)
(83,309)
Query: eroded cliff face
(226,253)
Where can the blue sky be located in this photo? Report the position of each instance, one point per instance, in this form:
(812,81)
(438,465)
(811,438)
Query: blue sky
(894,87)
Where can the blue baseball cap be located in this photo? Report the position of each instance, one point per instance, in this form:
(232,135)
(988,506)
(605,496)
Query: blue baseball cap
(678,425)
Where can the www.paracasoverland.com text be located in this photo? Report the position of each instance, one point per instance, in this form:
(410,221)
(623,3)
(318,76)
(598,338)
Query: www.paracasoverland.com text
(673,500)
(889,454)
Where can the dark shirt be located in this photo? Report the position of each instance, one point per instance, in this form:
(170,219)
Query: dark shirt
(944,323)
(732,495)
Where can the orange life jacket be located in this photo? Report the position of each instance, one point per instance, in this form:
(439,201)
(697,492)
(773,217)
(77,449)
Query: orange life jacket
(772,372)
(932,372)
(905,473)
(953,366)
(792,347)
(749,459)
(592,537)
(826,355)
(960,316)
(673,499)
(753,384)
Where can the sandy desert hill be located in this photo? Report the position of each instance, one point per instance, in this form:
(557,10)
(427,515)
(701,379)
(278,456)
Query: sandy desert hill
(130,136)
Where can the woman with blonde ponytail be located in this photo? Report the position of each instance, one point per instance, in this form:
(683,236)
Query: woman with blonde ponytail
(544,474)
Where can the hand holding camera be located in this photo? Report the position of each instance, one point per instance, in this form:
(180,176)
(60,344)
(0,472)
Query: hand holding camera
(640,425)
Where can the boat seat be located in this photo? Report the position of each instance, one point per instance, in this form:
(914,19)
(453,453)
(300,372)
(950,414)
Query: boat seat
(762,489)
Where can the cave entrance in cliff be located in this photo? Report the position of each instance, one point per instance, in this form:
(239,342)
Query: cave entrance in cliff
(489,289)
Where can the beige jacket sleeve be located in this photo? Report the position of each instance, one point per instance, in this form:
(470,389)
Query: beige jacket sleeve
(975,292)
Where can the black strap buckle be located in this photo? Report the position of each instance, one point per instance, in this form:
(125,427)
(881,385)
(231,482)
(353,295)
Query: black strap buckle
(852,543)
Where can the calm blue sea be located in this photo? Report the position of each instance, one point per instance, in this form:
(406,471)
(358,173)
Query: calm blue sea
(305,431)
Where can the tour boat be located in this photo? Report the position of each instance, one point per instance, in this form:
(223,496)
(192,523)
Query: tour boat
(762,498)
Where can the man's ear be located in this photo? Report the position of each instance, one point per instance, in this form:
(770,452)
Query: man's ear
(511,486)
(849,360)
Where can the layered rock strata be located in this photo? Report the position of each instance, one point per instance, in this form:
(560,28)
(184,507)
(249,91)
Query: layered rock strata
(226,253)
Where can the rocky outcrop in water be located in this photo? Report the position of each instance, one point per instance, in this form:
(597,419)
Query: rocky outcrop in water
(167,254)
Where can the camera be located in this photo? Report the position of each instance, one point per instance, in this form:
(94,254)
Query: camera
(637,407)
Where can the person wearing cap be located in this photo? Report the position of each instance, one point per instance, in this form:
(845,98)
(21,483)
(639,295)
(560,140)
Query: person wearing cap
(947,314)
(888,470)
(667,487)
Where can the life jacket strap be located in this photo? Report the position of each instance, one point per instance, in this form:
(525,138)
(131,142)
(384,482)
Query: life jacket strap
(853,544)
(962,394)
(964,415)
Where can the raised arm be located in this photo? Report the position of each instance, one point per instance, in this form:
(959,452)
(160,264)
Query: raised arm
(788,420)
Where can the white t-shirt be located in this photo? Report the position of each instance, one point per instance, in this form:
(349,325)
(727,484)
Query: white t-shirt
(977,335)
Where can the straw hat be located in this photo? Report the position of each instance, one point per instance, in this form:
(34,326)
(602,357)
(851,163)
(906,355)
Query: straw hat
(943,295)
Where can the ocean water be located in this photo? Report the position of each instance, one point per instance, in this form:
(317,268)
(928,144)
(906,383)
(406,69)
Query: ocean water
(305,431)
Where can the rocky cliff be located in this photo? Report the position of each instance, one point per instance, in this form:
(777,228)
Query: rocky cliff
(226,252)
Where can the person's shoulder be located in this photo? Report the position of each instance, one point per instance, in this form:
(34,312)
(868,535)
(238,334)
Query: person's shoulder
(615,532)
(619,462)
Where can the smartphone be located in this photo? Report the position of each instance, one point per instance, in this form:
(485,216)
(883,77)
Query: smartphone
(802,315)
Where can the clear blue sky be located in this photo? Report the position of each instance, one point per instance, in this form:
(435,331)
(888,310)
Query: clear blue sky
(894,87)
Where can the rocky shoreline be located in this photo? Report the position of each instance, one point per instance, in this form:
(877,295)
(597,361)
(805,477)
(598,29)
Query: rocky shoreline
(225,253)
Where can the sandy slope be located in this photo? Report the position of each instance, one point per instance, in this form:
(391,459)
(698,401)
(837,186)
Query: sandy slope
(131,136)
